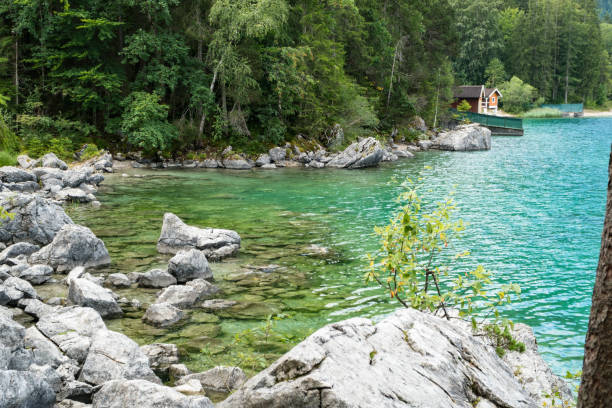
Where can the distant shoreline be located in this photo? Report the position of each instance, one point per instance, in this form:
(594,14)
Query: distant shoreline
(588,113)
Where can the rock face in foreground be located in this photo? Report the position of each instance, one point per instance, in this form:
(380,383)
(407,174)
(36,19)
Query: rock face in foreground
(143,394)
(216,244)
(410,359)
(35,219)
(366,153)
(73,246)
(464,138)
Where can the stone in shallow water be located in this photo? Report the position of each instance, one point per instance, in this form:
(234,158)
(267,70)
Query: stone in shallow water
(119,280)
(189,264)
(162,315)
(86,293)
(161,355)
(215,243)
(155,278)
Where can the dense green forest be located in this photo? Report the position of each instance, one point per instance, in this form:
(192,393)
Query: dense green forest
(177,75)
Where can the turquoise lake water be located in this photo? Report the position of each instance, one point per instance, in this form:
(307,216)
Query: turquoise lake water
(534,204)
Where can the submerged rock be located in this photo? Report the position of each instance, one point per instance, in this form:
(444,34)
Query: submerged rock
(144,394)
(35,219)
(189,264)
(408,359)
(216,244)
(73,246)
(464,138)
(366,153)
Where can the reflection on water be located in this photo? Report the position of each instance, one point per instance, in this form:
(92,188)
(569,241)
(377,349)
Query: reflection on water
(534,206)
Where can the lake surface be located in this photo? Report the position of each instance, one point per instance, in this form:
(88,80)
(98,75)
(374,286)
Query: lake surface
(534,204)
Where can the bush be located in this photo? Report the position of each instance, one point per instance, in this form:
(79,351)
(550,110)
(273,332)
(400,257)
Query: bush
(7,159)
(518,95)
(542,113)
(62,147)
(416,266)
(145,122)
(464,106)
(8,140)
(90,152)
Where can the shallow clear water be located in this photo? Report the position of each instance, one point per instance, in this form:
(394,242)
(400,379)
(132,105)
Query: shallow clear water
(534,205)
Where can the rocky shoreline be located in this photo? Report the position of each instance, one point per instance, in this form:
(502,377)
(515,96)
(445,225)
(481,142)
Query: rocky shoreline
(60,353)
(366,152)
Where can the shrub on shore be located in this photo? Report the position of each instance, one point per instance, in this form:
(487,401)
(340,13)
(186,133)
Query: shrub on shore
(542,113)
(7,159)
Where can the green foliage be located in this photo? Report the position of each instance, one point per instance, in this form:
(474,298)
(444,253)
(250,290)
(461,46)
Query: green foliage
(416,265)
(90,152)
(260,346)
(464,106)
(518,96)
(8,140)
(7,158)
(495,73)
(144,122)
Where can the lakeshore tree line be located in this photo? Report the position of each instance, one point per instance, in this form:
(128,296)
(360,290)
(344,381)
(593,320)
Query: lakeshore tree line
(178,75)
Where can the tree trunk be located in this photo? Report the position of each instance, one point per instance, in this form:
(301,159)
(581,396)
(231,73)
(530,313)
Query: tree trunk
(596,386)
(16,70)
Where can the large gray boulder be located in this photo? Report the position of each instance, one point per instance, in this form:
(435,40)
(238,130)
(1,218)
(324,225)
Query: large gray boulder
(25,389)
(44,351)
(216,244)
(144,394)
(13,334)
(365,153)
(20,248)
(74,245)
(277,155)
(71,329)
(410,359)
(52,161)
(15,289)
(464,138)
(237,164)
(10,174)
(220,379)
(114,356)
(188,265)
(156,278)
(35,219)
(37,274)
(83,292)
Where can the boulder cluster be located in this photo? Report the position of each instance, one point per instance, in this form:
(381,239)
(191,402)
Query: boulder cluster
(51,178)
